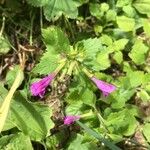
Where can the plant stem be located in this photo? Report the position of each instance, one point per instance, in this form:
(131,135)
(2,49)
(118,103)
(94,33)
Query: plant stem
(31,31)
(101,120)
(71,67)
(60,66)
(3,26)
(41,18)
(63,74)
(90,75)
(87,114)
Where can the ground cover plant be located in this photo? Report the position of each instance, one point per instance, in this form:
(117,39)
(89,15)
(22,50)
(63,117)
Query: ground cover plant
(74,74)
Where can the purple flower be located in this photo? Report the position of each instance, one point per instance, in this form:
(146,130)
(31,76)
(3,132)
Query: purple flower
(70,119)
(105,87)
(38,88)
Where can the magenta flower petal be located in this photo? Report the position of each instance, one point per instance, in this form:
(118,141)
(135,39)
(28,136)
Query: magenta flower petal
(38,88)
(105,87)
(70,119)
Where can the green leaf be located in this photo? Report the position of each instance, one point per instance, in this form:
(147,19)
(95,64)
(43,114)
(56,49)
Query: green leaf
(111,15)
(119,44)
(125,23)
(48,63)
(57,44)
(4,45)
(95,10)
(74,108)
(143,95)
(103,60)
(118,56)
(146,131)
(55,38)
(121,3)
(38,3)
(17,141)
(136,78)
(129,11)
(138,52)
(11,75)
(107,143)
(106,40)
(32,119)
(146,26)
(121,122)
(3,93)
(143,6)
(88,97)
(79,143)
(55,8)
(90,49)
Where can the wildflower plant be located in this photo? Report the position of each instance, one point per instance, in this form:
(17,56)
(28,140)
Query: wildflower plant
(74,74)
(79,61)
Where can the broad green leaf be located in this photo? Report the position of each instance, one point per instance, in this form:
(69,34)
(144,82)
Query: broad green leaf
(17,141)
(88,97)
(143,95)
(48,63)
(55,8)
(106,40)
(138,52)
(111,15)
(146,26)
(3,93)
(121,3)
(143,6)
(120,44)
(54,37)
(38,3)
(32,119)
(95,10)
(146,131)
(104,7)
(103,60)
(129,10)
(4,45)
(99,137)
(136,78)
(118,56)
(57,44)
(121,122)
(79,142)
(125,23)
(11,75)
(90,48)
(74,108)
(5,106)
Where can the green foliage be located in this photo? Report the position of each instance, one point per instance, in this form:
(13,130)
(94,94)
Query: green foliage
(146,131)
(15,141)
(5,45)
(143,6)
(138,52)
(56,45)
(11,75)
(78,143)
(125,23)
(32,119)
(122,122)
(53,9)
(106,39)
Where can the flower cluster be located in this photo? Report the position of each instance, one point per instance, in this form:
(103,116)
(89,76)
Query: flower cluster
(38,89)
